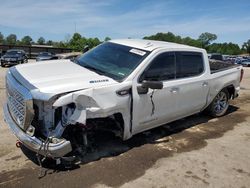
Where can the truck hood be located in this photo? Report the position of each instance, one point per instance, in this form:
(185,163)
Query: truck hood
(11,56)
(50,78)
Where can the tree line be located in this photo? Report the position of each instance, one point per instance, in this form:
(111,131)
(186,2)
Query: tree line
(77,42)
(204,41)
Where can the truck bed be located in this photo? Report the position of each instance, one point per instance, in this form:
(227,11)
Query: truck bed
(217,66)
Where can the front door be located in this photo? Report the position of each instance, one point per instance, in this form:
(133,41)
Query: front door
(157,106)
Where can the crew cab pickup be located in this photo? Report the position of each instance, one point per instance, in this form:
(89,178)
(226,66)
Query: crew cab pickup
(123,86)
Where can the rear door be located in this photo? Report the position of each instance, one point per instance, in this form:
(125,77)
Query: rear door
(192,87)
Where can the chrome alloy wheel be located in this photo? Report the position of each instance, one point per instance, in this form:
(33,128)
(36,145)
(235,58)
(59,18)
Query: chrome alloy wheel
(220,102)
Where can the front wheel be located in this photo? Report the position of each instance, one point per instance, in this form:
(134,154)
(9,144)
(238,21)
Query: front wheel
(220,104)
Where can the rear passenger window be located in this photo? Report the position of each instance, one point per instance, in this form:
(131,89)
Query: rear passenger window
(188,64)
(161,68)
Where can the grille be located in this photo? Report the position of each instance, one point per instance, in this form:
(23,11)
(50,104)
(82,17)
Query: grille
(16,105)
(19,102)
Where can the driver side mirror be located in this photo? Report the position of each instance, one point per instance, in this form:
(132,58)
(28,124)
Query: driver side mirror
(143,89)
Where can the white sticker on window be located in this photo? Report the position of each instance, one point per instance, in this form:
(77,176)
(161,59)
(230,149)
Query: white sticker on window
(138,52)
(121,73)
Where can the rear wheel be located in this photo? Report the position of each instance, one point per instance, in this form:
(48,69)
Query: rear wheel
(220,104)
(2,64)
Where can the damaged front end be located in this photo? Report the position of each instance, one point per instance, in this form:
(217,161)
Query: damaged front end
(62,131)
(78,115)
(62,126)
(19,114)
(69,124)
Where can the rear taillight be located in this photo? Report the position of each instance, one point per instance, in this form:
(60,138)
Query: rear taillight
(241,74)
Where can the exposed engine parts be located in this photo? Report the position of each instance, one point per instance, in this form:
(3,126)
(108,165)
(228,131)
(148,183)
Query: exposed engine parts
(62,119)
(81,135)
(68,123)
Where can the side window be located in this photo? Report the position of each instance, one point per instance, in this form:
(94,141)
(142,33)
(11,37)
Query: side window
(189,64)
(161,68)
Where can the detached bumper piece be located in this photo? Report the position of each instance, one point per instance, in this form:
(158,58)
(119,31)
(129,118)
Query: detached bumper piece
(35,144)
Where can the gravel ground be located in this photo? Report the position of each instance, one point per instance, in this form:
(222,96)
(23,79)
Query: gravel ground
(197,151)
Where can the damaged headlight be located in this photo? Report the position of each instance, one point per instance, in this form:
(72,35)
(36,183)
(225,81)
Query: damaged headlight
(62,119)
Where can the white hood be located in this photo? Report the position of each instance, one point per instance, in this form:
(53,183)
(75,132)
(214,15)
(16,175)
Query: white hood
(59,76)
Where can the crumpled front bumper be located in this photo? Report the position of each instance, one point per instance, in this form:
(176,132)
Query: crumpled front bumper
(35,144)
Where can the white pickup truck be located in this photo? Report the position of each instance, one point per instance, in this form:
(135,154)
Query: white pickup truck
(123,86)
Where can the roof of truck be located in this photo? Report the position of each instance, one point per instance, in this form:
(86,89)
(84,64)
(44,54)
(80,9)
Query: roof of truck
(150,45)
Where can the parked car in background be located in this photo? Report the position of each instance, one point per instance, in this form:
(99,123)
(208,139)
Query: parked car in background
(216,56)
(239,60)
(230,59)
(14,57)
(71,56)
(43,56)
(245,62)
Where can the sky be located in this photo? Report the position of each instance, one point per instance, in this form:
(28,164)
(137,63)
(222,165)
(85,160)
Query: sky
(58,19)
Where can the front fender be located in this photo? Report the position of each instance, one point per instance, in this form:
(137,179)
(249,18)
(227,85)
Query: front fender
(99,102)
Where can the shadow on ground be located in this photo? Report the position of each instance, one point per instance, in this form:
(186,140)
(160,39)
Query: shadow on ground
(114,162)
(107,145)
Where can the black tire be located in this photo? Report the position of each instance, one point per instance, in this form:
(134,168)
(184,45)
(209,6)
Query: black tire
(2,65)
(220,104)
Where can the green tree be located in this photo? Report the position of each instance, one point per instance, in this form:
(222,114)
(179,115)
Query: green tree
(224,48)
(77,42)
(18,42)
(11,39)
(246,46)
(49,42)
(107,39)
(41,41)
(170,37)
(76,37)
(206,39)
(92,42)
(1,38)
(191,42)
(60,44)
(26,40)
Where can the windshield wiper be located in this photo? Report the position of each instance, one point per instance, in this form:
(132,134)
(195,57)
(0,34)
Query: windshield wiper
(94,69)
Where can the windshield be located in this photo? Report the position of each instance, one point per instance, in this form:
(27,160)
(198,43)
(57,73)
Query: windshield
(112,60)
(244,61)
(13,53)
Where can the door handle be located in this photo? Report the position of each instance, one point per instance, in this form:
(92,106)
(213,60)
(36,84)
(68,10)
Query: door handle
(204,84)
(174,90)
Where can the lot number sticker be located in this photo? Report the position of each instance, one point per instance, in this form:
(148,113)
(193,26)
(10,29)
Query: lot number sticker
(138,52)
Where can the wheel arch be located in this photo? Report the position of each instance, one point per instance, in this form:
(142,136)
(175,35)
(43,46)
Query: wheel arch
(231,91)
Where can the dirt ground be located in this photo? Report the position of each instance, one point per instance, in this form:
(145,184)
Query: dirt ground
(198,151)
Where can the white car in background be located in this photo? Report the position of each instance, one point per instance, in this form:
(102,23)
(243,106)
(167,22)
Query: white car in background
(245,63)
